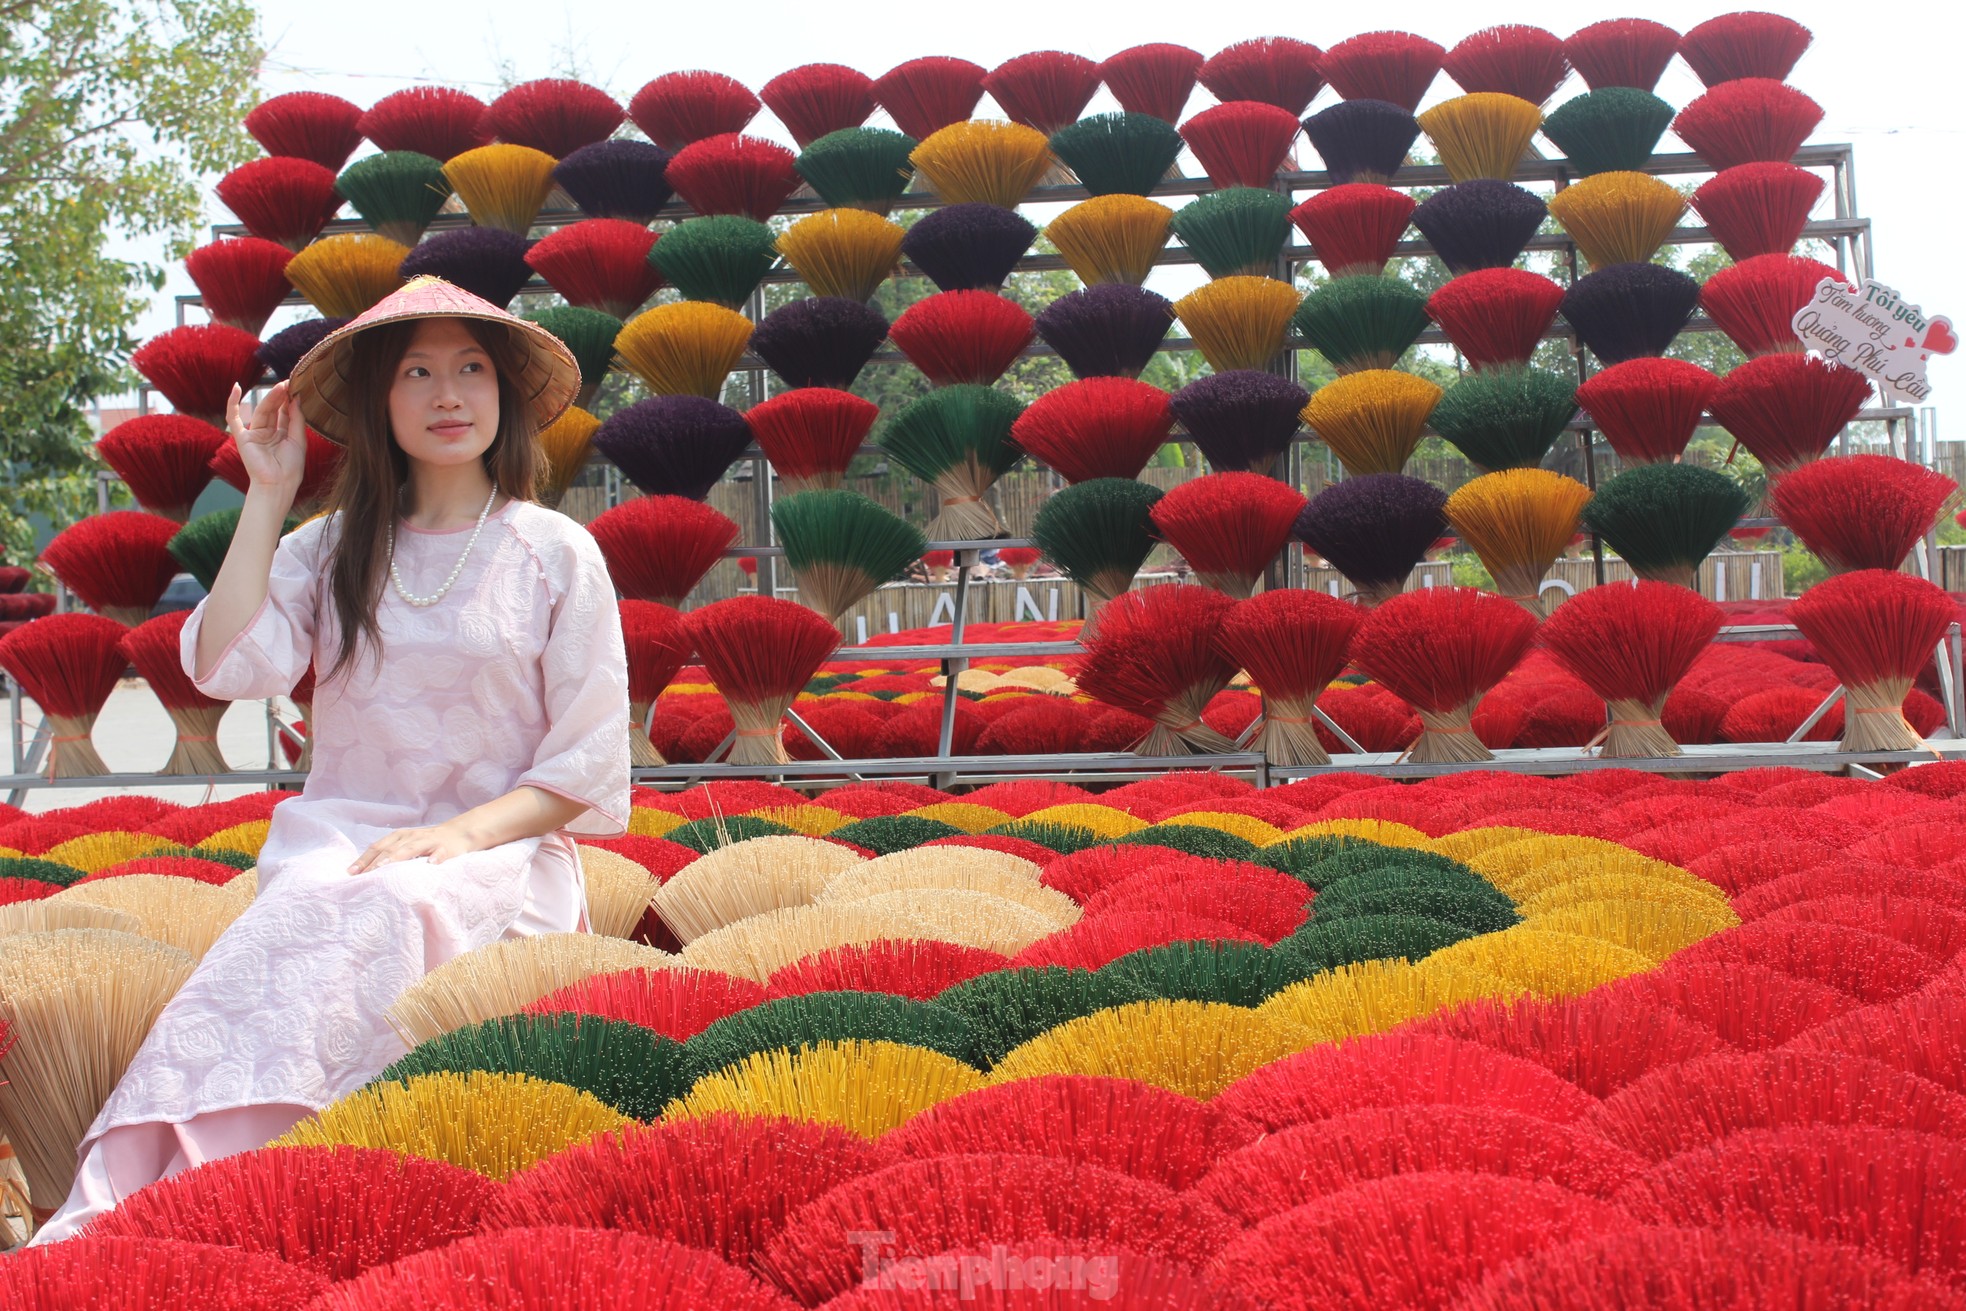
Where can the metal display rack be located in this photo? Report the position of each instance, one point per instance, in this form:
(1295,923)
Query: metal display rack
(1848,235)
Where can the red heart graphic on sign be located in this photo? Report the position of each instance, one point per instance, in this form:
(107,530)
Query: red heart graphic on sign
(1911,341)
(1939,338)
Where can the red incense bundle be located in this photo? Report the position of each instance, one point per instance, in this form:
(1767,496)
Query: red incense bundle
(1647,408)
(1787,409)
(164,459)
(1860,511)
(68,664)
(152,647)
(1354,227)
(659,547)
(811,435)
(1291,643)
(1631,643)
(760,652)
(1876,629)
(1154,655)
(119,563)
(1229,527)
(1440,649)
(658,643)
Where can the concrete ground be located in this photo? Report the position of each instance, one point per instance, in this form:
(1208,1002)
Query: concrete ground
(134,735)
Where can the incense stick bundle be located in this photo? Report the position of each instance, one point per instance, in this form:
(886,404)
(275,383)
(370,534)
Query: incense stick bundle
(1440,649)
(1518,521)
(152,647)
(957,439)
(1876,629)
(1631,643)
(760,652)
(1292,644)
(1154,655)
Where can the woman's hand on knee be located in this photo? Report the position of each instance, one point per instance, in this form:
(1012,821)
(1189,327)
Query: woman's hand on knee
(439,842)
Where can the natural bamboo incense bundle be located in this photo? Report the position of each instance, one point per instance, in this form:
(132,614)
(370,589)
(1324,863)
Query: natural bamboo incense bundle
(1483,134)
(687,348)
(1610,130)
(1518,521)
(1664,519)
(859,168)
(345,274)
(811,435)
(1113,238)
(822,341)
(983,163)
(841,545)
(681,108)
(1618,218)
(1876,629)
(1118,153)
(1362,322)
(502,186)
(599,264)
(1372,420)
(842,252)
(306,125)
(240,281)
(1631,643)
(1238,322)
(760,652)
(1292,644)
(617,179)
(959,440)
(490,263)
(1441,649)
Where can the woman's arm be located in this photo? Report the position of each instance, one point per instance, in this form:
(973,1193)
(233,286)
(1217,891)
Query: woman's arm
(274,450)
(524,812)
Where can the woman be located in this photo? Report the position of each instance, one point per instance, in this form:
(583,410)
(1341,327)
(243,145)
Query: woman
(471,713)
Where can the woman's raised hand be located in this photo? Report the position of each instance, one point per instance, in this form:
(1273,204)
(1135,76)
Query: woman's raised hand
(273,446)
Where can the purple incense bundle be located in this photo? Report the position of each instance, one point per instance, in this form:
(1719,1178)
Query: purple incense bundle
(1630,310)
(280,352)
(1479,224)
(1242,419)
(1373,529)
(1362,140)
(970,247)
(674,445)
(487,262)
(1111,329)
(618,179)
(822,341)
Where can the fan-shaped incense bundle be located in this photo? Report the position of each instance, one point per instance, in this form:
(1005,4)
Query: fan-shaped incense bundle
(731,173)
(196,367)
(118,563)
(1097,533)
(1787,409)
(1228,526)
(1354,227)
(1483,134)
(554,115)
(1876,629)
(1276,70)
(1629,310)
(1621,52)
(815,100)
(1755,302)
(681,108)
(1292,644)
(1631,643)
(1046,89)
(968,247)
(487,262)
(1111,329)
(841,546)
(1648,408)
(957,439)
(69,664)
(279,353)
(1738,45)
(164,459)
(1096,427)
(281,199)
(323,460)
(1518,521)
(599,264)
(1237,230)
(396,192)
(502,186)
(1118,153)
(1153,79)
(345,274)
(1440,649)
(1242,419)
(719,258)
(1506,418)
(1607,131)
(1238,322)
(962,336)
(842,252)
(658,645)
(760,652)
(811,435)
(1113,238)
(822,341)
(152,647)
(1362,140)
(1748,121)
(983,163)
(1664,519)
(658,548)
(1154,655)
(1513,59)
(1396,67)
(1860,511)
(240,281)
(1618,218)
(590,335)
(1241,143)
(673,445)
(1373,529)
(928,94)
(1479,224)
(437,121)
(1758,209)
(1372,420)
(1496,316)
(306,125)
(859,167)
(617,179)
(687,348)
(1363,322)
(566,442)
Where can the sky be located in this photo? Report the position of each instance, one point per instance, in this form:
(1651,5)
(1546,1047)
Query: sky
(1884,74)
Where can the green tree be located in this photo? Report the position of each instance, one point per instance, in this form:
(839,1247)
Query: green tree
(111,113)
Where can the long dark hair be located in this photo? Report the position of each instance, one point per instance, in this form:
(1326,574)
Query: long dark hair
(365,497)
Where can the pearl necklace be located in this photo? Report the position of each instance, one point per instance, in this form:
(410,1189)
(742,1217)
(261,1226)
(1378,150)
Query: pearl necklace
(456,569)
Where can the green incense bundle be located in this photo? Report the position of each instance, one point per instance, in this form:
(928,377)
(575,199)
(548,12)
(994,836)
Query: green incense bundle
(1007,1008)
(841,545)
(957,439)
(200,545)
(1664,519)
(590,335)
(1097,533)
(1114,154)
(396,192)
(1239,230)
(859,167)
(720,258)
(1615,129)
(1364,322)
(812,1018)
(631,1068)
(1506,418)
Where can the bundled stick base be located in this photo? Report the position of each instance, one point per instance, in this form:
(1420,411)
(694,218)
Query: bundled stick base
(70,752)
(1447,737)
(1636,732)
(641,751)
(1874,718)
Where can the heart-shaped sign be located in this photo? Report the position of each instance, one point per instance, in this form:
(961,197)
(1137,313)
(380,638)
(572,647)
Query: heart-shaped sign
(1939,338)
